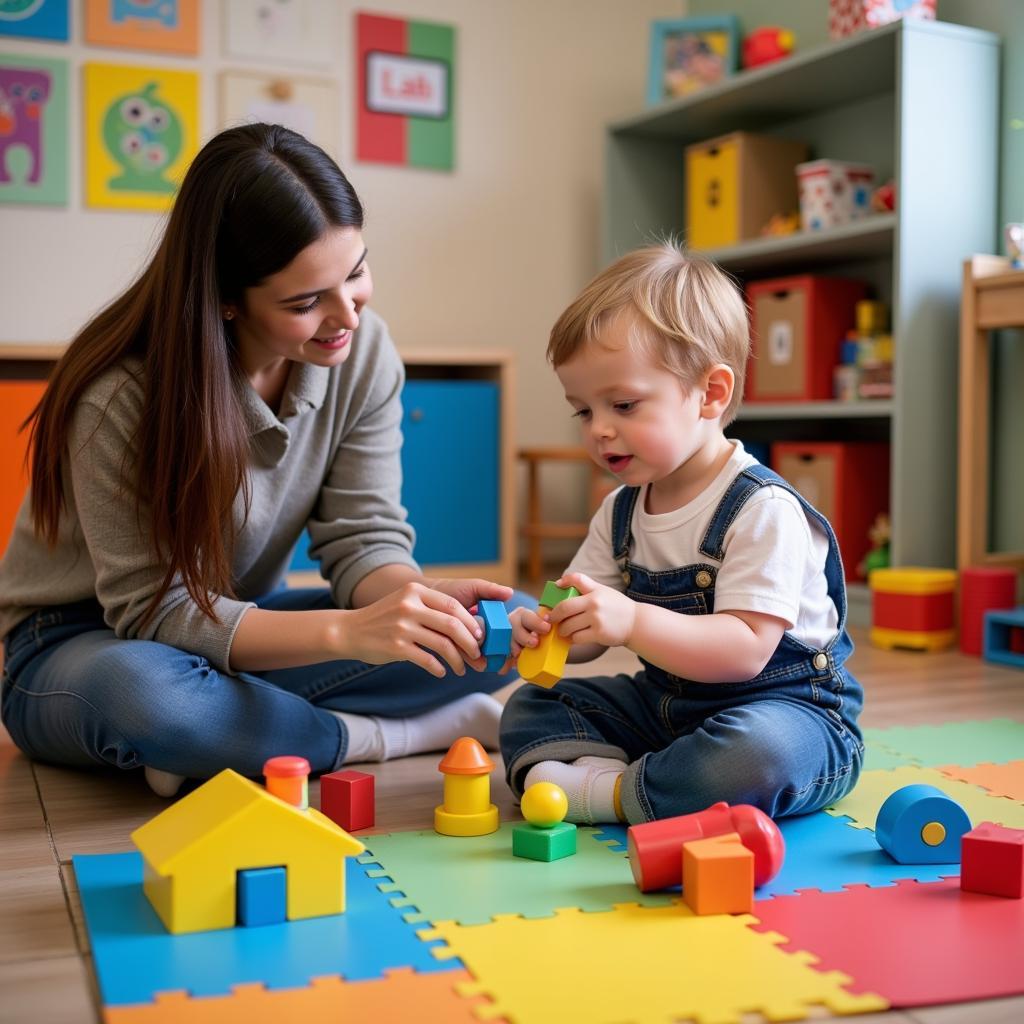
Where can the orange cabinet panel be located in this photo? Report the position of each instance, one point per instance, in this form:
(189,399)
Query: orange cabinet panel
(17,399)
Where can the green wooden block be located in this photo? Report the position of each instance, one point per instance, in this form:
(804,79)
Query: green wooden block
(544,843)
(553,595)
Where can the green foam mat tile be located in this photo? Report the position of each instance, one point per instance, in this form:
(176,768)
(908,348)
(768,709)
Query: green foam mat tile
(995,741)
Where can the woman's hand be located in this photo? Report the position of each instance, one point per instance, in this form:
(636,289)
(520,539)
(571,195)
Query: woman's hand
(420,624)
(600,615)
(468,592)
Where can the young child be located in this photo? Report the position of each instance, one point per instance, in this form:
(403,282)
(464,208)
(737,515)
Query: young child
(724,581)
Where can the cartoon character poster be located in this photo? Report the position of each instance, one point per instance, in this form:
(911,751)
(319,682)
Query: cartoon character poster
(34,19)
(309,106)
(301,31)
(140,134)
(169,26)
(33,130)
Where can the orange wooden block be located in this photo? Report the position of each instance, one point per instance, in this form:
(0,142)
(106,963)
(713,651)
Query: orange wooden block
(718,875)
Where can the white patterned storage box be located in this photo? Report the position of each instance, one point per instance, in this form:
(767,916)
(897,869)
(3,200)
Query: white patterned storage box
(845,17)
(833,192)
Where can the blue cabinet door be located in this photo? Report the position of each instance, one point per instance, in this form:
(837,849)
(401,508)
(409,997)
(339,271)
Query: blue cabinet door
(451,469)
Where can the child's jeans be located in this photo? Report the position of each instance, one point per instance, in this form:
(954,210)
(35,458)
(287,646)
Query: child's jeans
(74,694)
(781,748)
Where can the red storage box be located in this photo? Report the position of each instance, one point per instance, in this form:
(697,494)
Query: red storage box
(798,325)
(846,482)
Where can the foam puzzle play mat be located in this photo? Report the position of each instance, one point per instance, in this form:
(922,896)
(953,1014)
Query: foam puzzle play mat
(242,903)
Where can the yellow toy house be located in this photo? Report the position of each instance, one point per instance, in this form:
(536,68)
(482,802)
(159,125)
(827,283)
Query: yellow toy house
(195,849)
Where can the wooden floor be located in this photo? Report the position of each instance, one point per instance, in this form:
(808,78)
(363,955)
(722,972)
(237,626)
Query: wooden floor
(48,814)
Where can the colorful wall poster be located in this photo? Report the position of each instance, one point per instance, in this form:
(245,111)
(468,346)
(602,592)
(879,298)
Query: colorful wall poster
(405,86)
(141,131)
(308,106)
(33,130)
(34,19)
(306,32)
(167,26)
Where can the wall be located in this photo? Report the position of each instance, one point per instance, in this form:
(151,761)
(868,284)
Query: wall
(486,256)
(809,20)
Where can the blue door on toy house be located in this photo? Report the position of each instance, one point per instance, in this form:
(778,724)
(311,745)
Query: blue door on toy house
(450,472)
(451,469)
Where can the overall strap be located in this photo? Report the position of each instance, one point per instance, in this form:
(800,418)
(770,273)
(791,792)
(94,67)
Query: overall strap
(622,518)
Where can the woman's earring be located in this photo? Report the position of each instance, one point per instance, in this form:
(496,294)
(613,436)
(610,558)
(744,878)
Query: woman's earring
(228,315)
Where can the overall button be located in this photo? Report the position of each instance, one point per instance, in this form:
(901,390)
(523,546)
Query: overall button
(704,579)
(821,661)
(627,577)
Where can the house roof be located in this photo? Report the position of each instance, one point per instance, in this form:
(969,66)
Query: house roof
(223,803)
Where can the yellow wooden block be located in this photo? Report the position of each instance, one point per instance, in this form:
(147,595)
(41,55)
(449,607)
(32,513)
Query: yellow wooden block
(194,850)
(890,639)
(545,663)
(718,875)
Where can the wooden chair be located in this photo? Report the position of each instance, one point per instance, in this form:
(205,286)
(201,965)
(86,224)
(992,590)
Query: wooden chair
(535,529)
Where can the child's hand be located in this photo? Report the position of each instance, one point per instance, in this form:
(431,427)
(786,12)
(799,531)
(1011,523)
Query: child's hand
(600,615)
(527,629)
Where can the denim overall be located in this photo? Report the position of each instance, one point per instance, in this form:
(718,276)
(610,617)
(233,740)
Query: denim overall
(786,741)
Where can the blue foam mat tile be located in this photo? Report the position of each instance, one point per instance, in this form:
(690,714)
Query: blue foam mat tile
(135,956)
(823,852)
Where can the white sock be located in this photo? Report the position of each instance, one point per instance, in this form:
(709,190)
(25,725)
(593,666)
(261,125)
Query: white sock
(164,783)
(589,783)
(371,738)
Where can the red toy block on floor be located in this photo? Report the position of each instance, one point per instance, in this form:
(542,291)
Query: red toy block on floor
(992,861)
(347,799)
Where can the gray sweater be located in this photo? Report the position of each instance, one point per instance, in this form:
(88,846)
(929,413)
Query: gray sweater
(328,460)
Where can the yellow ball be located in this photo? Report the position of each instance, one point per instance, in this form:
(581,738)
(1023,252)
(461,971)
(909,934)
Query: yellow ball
(544,804)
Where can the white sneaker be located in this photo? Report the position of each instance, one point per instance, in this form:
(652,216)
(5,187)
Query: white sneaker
(164,784)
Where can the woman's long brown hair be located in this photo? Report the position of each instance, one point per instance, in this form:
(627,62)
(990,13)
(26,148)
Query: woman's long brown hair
(253,198)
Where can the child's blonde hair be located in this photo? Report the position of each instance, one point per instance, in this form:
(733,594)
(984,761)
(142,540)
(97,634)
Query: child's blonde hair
(687,313)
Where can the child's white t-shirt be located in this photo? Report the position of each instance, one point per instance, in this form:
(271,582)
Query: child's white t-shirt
(774,553)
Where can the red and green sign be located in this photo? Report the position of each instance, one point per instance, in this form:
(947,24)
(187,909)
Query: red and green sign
(404,84)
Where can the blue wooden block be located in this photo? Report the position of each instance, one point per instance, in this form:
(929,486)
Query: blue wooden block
(497,629)
(261,896)
(921,825)
(998,629)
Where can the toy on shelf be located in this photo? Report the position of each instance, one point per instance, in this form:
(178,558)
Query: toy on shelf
(545,663)
(655,847)
(913,608)
(768,44)
(718,875)
(545,836)
(833,193)
(983,589)
(883,199)
(1014,235)
(194,850)
(497,642)
(920,824)
(865,369)
(347,798)
(1004,637)
(467,809)
(992,861)
(782,224)
(847,17)
(879,534)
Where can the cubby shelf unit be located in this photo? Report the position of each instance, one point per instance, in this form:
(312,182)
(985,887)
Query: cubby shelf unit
(917,100)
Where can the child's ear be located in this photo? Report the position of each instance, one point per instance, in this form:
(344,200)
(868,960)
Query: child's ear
(718,389)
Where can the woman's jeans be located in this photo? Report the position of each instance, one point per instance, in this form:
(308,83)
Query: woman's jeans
(74,694)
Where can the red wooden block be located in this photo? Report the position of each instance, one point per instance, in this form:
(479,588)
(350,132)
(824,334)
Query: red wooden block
(992,860)
(347,799)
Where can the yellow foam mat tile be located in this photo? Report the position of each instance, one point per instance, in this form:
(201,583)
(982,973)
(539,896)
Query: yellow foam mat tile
(639,965)
(862,805)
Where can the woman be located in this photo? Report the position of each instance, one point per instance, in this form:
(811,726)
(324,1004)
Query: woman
(239,391)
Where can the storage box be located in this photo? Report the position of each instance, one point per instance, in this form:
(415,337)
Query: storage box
(735,184)
(833,193)
(797,328)
(846,482)
(846,17)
